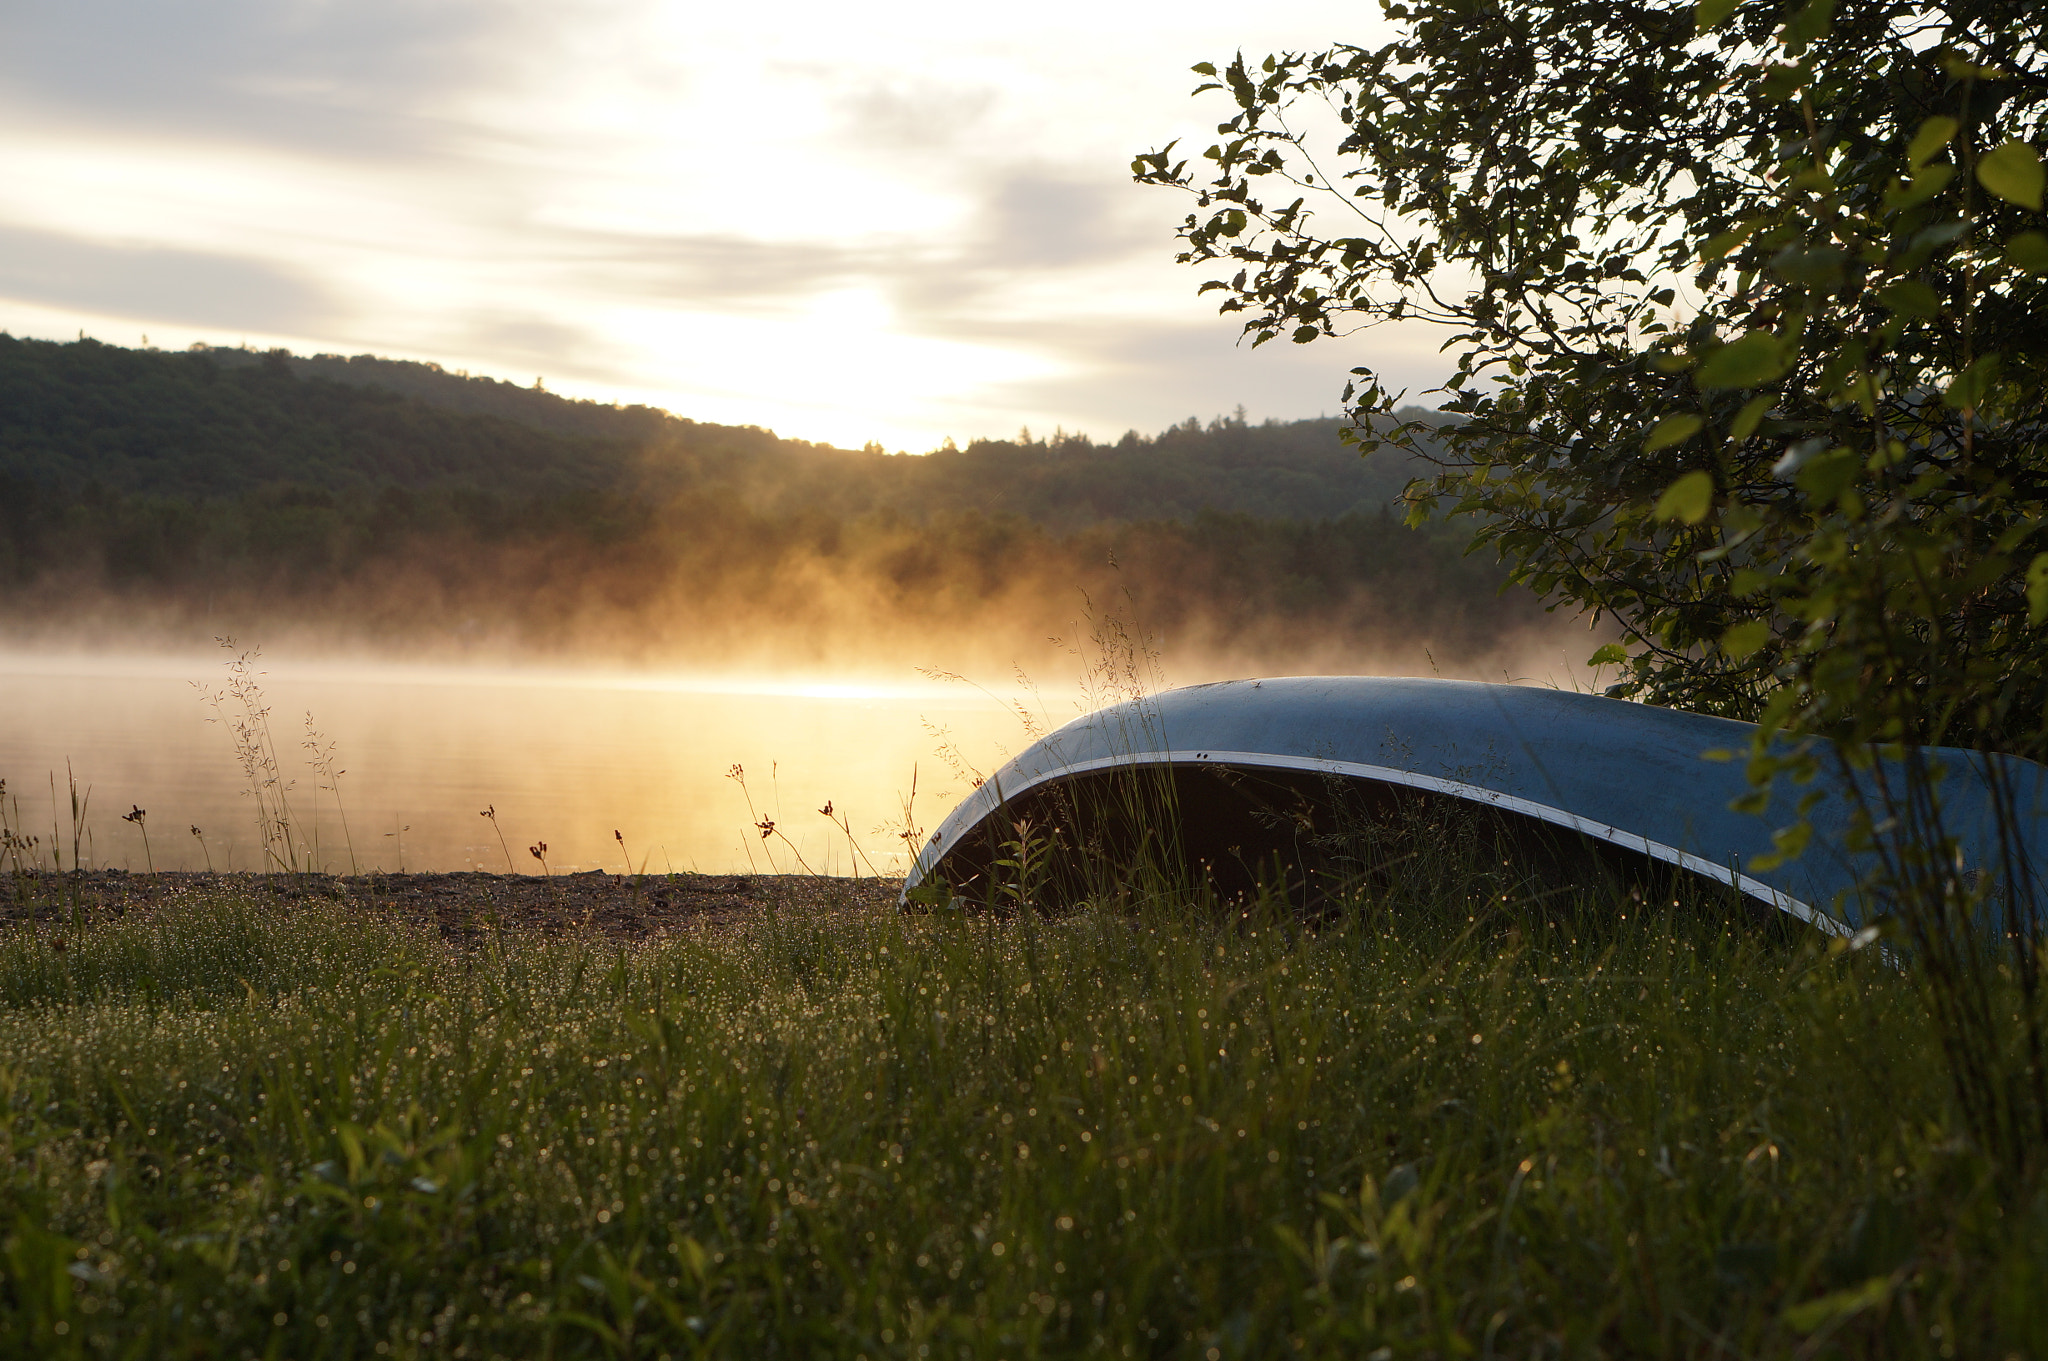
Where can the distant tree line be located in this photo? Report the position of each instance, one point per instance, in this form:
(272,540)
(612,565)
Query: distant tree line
(209,423)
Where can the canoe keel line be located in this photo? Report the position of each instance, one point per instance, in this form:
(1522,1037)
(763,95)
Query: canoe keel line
(1248,782)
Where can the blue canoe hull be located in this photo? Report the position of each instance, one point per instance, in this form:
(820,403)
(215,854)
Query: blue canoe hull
(1622,775)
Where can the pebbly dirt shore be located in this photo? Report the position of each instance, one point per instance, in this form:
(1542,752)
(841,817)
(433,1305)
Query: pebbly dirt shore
(461,906)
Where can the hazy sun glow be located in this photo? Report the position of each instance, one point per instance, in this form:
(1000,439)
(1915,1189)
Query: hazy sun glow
(895,222)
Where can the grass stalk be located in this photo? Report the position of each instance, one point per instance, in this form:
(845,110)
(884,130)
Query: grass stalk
(140,817)
(491,812)
(324,756)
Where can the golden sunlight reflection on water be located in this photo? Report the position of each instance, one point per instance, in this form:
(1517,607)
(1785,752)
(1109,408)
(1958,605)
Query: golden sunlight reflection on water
(565,757)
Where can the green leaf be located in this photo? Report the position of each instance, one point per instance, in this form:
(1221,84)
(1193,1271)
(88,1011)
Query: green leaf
(1614,654)
(1820,267)
(1782,82)
(1746,420)
(1825,477)
(1968,388)
(2028,250)
(1745,638)
(1207,68)
(1816,1314)
(1925,185)
(1709,14)
(2013,172)
(1910,298)
(1748,581)
(2037,589)
(1755,801)
(1925,242)
(1815,19)
(1934,134)
(1719,245)
(1958,67)
(1752,361)
(1688,499)
(1789,843)
(1672,430)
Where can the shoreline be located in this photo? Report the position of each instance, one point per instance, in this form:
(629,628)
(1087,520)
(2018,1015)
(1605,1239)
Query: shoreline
(462,905)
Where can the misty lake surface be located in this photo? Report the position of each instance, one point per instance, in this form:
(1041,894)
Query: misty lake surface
(565,757)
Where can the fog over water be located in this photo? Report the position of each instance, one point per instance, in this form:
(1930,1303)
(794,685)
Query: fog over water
(565,757)
(568,755)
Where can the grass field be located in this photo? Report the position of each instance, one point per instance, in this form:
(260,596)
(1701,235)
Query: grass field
(227,1131)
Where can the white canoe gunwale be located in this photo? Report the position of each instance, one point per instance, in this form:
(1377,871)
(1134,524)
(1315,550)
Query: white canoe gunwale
(1622,775)
(1729,876)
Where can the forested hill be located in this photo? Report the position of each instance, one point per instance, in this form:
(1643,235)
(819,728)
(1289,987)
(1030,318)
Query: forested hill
(83,418)
(396,505)
(206,424)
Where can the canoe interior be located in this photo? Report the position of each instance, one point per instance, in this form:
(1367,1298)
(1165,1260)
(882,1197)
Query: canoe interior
(1320,840)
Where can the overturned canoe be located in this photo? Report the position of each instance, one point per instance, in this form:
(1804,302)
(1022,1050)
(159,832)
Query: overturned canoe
(1233,776)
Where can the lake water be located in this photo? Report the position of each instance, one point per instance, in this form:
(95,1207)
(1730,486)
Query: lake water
(565,758)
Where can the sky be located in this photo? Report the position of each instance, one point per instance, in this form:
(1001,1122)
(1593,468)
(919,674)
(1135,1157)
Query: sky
(889,222)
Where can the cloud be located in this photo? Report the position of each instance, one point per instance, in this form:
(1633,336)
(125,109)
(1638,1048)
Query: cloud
(672,202)
(527,342)
(155,282)
(1036,220)
(1025,226)
(911,117)
(361,77)
(726,269)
